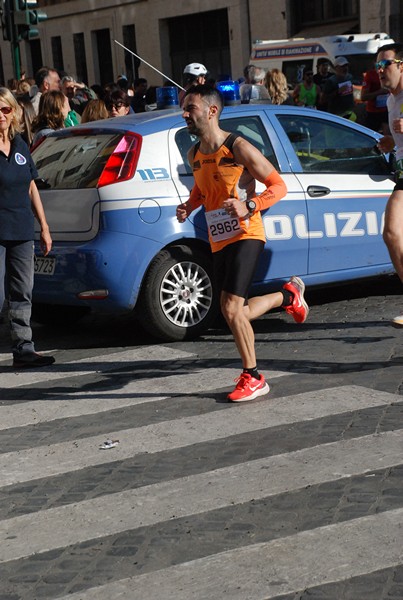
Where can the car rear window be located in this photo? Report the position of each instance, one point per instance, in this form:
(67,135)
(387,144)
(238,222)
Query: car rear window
(74,161)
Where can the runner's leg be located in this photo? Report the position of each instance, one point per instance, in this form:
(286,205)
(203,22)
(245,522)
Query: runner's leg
(393,230)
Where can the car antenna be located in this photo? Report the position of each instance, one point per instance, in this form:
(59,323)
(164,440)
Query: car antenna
(148,64)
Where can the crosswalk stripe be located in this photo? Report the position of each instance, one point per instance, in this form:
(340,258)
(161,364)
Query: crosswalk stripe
(90,519)
(266,570)
(135,392)
(45,461)
(86,366)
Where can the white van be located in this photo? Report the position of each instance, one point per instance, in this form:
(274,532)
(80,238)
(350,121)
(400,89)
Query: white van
(292,56)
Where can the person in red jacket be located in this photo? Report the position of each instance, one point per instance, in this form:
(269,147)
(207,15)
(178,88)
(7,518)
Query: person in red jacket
(225,168)
(375,97)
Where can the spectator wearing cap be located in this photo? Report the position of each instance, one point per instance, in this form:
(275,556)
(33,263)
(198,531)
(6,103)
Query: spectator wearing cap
(338,90)
(193,74)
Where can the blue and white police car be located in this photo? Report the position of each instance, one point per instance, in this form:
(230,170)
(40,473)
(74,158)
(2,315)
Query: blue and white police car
(110,191)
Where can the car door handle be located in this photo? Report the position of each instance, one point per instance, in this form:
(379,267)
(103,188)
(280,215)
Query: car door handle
(315,191)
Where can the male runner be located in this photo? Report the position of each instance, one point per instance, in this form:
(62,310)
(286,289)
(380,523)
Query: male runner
(390,69)
(225,167)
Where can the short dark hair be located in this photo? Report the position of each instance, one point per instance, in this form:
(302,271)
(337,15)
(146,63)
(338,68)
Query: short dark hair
(41,75)
(209,93)
(323,61)
(397,48)
(117,95)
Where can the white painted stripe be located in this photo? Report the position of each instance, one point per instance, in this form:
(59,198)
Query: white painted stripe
(91,519)
(138,391)
(263,571)
(102,363)
(45,461)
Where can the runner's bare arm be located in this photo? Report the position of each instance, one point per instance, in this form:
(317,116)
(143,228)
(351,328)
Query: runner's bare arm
(261,169)
(386,144)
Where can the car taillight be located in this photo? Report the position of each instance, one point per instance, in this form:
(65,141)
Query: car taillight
(122,163)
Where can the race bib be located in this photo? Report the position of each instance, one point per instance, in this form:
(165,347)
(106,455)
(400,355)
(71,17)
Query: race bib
(221,225)
(380,101)
(345,88)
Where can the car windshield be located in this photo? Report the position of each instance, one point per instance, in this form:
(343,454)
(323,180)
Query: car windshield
(74,161)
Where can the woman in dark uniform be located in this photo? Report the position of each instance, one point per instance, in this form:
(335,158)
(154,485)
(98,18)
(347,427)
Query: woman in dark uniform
(19,203)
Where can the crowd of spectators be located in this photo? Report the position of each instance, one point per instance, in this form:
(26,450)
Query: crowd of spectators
(53,100)
(330,89)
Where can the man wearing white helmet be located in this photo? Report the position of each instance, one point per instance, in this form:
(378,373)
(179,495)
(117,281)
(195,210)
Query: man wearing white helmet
(193,74)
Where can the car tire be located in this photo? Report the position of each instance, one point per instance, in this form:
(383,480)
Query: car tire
(178,299)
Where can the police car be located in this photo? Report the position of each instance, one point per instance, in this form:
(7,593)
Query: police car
(110,190)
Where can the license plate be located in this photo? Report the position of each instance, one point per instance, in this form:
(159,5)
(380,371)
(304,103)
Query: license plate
(44,265)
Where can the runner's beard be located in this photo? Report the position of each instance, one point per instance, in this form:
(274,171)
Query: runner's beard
(193,129)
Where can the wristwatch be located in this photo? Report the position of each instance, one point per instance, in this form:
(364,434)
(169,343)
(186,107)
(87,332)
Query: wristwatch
(251,206)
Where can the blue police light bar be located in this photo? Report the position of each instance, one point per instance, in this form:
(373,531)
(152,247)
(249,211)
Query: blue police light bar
(229,91)
(167,97)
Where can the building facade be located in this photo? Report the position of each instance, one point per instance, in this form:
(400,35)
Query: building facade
(80,36)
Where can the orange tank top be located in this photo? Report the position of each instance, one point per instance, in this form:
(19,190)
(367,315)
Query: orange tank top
(218,178)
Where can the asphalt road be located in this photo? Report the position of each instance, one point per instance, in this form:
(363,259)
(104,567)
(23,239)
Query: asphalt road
(298,495)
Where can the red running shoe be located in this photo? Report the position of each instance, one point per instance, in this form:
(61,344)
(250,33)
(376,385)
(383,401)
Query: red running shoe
(248,388)
(299,308)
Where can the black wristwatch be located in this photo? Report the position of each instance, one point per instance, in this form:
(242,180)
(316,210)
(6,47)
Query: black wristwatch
(251,206)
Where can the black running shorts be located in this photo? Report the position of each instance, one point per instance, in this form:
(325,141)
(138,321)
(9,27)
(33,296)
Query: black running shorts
(235,266)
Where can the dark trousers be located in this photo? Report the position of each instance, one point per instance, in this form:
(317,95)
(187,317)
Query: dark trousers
(16,283)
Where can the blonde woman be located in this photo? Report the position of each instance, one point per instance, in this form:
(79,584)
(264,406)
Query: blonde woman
(19,203)
(276,84)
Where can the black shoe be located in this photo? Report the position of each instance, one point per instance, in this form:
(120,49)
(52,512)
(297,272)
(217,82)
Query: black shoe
(32,360)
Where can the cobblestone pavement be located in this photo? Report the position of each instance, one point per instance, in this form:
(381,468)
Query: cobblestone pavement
(296,496)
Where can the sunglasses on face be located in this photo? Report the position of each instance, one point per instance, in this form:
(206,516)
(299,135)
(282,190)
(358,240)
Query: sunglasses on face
(6,110)
(383,64)
(116,105)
